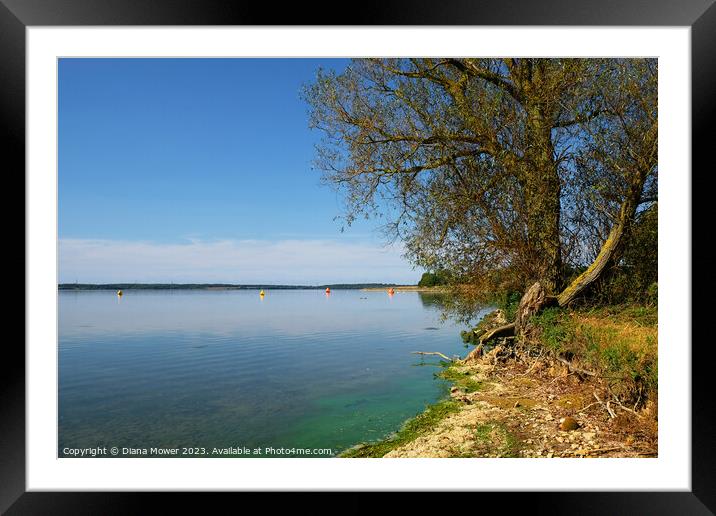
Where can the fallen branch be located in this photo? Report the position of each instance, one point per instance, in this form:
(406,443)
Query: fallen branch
(433,353)
(533,365)
(575,369)
(606,406)
(500,331)
(619,403)
(590,405)
(611,412)
(637,401)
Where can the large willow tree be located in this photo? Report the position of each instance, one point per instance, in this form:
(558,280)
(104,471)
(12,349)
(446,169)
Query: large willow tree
(501,171)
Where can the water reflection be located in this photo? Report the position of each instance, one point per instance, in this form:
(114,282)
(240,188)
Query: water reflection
(454,307)
(433,300)
(227,368)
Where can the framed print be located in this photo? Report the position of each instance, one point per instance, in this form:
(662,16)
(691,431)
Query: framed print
(419,250)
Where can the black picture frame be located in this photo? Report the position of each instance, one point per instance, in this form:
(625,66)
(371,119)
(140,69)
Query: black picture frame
(700,15)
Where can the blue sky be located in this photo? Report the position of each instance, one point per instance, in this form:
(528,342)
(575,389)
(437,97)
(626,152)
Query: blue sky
(200,170)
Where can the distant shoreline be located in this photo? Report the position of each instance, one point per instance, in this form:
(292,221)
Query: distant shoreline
(226,286)
(405,288)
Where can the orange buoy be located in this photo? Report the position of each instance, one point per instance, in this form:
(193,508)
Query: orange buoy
(391,291)
(328,290)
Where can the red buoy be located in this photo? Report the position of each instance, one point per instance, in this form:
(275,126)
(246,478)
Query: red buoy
(328,290)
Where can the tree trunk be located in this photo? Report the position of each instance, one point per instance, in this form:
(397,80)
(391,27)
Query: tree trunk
(610,252)
(532,302)
(543,206)
(542,198)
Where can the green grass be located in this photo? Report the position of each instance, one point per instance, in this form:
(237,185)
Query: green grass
(461,379)
(637,314)
(508,443)
(556,329)
(483,432)
(491,438)
(619,342)
(411,430)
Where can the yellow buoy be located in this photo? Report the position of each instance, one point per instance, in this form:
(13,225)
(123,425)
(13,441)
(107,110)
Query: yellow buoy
(119,293)
(261,293)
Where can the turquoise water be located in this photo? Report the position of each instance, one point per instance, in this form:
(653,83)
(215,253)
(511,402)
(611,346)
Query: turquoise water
(228,370)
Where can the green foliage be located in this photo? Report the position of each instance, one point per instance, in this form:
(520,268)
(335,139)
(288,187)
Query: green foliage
(634,280)
(460,304)
(472,336)
(433,279)
(629,365)
(555,328)
(457,158)
(509,302)
(411,430)
(652,294)
(483,431)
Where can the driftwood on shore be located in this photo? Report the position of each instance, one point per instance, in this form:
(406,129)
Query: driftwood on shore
(506,330)
(433,353)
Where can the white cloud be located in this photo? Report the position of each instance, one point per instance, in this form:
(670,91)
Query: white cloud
(306,262)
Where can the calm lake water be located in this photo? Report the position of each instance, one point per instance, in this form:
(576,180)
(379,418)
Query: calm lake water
(227,369)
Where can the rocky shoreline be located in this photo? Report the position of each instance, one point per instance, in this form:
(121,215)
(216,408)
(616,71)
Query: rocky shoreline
(510,403)
(521,410)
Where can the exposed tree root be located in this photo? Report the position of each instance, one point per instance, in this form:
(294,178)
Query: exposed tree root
(474,354)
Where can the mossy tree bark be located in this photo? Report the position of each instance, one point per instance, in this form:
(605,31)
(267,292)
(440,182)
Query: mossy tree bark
(542,200)
(612,248)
